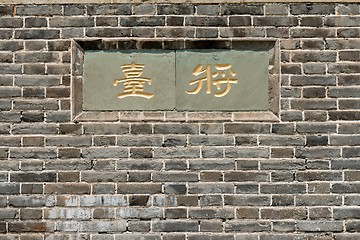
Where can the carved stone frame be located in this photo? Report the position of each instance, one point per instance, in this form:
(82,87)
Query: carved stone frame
(81,45)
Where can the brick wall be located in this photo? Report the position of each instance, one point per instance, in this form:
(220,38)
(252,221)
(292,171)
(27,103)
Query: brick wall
(178,175)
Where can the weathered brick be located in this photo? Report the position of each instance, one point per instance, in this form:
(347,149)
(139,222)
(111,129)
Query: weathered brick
(106,129)
(177,153)
(231,9)
(249,128)
(175,9)
(311,8)
(23,227)
(247,226)
(256,152)
(320,226)
(67,188)
(251,200)
(203,188)
(175,225)
(139,188)
(37,34)
(32,201)
(109,9)
(107,32)
(284,213)
(117,226)
(276,9)
(33,177)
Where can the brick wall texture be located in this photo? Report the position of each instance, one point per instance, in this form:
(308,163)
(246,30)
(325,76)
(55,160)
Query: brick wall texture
(181,175)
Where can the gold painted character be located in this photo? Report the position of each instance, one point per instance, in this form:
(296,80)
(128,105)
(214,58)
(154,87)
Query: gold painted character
(133,82)
(212,78)
(221,68)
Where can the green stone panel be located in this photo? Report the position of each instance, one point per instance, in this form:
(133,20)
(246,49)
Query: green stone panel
(249,93)
(102,68)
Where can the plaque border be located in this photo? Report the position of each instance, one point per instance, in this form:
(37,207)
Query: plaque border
(79,46)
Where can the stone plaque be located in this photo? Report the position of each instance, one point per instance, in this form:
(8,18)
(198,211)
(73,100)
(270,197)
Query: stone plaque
(183,80)
(226,80)
(129,80)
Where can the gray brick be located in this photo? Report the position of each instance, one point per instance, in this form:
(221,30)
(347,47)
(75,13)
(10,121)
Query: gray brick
(37,34)
(259,152)
(310,104)
(284,213)
(205,213)
(10,68)
(239,21)
(176,128)
(276,9)
(38,10)
(315,128)
(103,201)
(277,21)
(142,21)
(206,21)
(207,32)
(250,200)
(317,153)
(318,200)
(141,213)
(139,165)
(211,140)
(342,21)
(234,9)
(345,188)
(177,152)
(109,9)
(212,165)
(310,8)
(175,225)
(106,32)
(175,9)
(33,22)
(144,9)
(250,128)
(109,152)
(346,213)
(320,226)
(139,188)
(348,32)
(44,81)
(348,9)
(117,226)
(6,10)
(205,188)
(33,177)
(177,32)
(70,10)
(70,141)
(208,9)
(312,21)
(175,177)
(294,188)
(312,33)
(59,22)
(247,226)
(282,140)
(6,34)
(33,153)
(106,128)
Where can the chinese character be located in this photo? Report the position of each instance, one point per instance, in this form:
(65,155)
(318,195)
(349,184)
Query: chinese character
(133,82)
(219,77)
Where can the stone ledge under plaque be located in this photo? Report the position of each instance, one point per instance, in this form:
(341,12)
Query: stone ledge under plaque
(268,112)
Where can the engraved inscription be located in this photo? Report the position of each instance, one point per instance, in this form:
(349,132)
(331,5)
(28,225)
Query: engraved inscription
(223,75)
(133,82)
